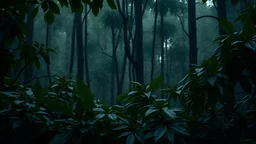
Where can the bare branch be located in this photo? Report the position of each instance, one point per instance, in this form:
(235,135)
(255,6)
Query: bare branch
(182,25)
(102,49)
(206,16)
(38,77)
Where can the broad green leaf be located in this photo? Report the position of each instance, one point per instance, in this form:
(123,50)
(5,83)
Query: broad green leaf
(169,112)
(39,92)
(138,137)
(58,107)
(49,17)
(15,124)
(61,137)
(248,29)
(98,110)
(99,116)
(227,26)
(150,111)
(180,130)
(54,7)
(132,93)
(155,84)
(212,80)
(121,127)
(37,62)
(4,111)
(85,95)
(170,136)
(136,84)
(149,135)
(112,116)
(112,4)
(160,131)
(124,134)
(130,139)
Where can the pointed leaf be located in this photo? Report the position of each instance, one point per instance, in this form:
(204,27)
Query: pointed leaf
(61,137)
(130,139)
(160,131)
(85,94)
(155,84)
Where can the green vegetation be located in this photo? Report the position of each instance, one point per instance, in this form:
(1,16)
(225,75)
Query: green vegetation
(65,110)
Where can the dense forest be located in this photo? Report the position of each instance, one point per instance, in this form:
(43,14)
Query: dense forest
(128,71)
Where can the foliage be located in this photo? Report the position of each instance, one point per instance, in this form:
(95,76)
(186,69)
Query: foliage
(210,112)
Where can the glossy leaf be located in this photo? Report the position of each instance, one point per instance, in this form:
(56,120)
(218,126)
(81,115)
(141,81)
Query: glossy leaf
(160,131)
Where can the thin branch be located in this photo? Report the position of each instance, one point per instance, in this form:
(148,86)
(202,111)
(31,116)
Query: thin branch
(39,77)
(143,10)
(182,25)
(102,49)
(20,72)
(86,15)
(206,16)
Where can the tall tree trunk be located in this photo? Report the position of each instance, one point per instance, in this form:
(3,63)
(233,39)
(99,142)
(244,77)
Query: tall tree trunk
(85,46)
(167,55)
(47,43)
(162,47)
(154,42)
(192,32)
(72,53)
(2,59)
(28,73)
(112,88)
(114,57)
(139,42)
(80,53)
(222,13)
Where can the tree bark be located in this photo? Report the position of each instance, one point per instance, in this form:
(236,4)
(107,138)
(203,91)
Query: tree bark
(85,47)
(80,53)
(192,32)
(72,53)
(154,41)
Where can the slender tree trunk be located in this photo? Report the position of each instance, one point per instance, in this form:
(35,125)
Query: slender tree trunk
(72,53)
(222,13)
(114,57)
(167,62)
(28,72)
(85,46)
(154,42)
(80,53)
(112,88)
(47,43)
(162,47)
(3,51)
(139,42)
(192,32)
